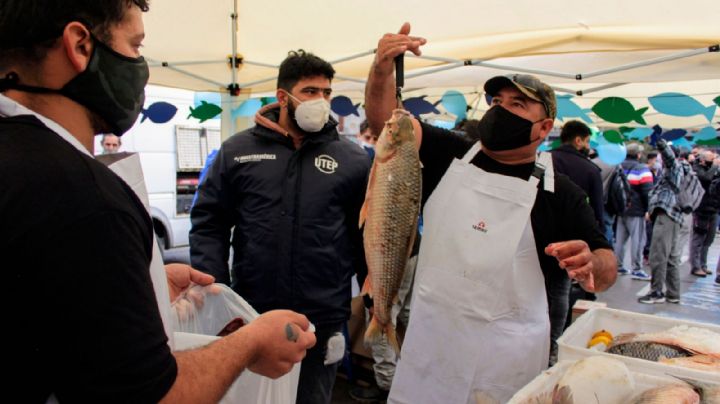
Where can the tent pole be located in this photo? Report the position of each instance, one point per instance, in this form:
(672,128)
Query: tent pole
(648,62)
(345,59)
(261,64)
(193,75)
(448,66)
(478,62)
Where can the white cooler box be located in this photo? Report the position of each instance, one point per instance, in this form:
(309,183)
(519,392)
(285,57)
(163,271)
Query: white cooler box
(545,382)
(572,344)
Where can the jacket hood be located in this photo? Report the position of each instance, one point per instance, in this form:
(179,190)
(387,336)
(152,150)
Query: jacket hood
(269,115)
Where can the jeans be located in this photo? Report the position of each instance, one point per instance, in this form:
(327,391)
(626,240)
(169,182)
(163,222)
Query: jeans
(665,253)
(703,235)
(317,379)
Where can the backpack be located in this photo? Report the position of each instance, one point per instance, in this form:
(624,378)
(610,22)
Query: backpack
(618,195)
(691,192)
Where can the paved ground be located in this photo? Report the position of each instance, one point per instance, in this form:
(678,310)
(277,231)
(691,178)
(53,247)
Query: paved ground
(700,301)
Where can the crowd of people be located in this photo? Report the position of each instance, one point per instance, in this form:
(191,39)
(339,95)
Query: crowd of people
(505,233)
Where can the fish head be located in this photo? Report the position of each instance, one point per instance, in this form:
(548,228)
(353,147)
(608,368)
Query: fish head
(398,130)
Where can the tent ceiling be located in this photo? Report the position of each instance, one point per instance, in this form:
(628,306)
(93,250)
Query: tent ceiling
(562,36)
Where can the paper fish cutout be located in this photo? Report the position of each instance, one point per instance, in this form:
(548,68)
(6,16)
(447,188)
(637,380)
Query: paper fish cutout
(207,96)
(455,103)
(711,142)
(677,104)
(248,108)
(159,112)
(268,100)
(638,133)
(568,109)
(674,134)
(706,133)
(682,142)
(613,136)
(418,106)
(618,110)
(488,99)
(343,106)
(205,111)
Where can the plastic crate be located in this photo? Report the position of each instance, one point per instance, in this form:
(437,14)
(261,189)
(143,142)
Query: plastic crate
(546,381)
(572,344)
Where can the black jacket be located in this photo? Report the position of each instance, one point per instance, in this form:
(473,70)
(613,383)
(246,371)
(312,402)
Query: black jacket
(583,172)
(641,182)
(710,203)
(296,240)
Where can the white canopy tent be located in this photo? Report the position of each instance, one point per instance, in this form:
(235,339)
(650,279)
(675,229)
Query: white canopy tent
(631,49)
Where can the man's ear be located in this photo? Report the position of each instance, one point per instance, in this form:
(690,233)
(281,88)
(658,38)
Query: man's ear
(545,127)
(78,45)
(282,97)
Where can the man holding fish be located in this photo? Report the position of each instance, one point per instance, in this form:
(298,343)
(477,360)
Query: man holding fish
(502,237)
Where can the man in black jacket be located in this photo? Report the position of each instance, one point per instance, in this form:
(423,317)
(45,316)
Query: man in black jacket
(705,216)
(571,159)
(292,191)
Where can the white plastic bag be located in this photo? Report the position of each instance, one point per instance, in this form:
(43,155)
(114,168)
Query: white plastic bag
(199,314)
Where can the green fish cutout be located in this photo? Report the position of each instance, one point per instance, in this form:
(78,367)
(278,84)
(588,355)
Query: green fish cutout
(710,142)
(717,100)
(618,110)
(205,111)
(613,136)
(555,144)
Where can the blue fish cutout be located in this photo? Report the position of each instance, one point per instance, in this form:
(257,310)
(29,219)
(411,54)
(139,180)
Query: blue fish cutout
(683,143)
(568,109)
(159,112)
(488,99)
(674,134)
(677,104)
(418,106)
(343,106)
(455,103)
(706,133)
(248,108)
(639,133)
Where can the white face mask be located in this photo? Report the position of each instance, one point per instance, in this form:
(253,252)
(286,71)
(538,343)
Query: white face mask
(312,115)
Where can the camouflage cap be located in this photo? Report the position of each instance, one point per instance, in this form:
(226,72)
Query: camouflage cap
(528,85)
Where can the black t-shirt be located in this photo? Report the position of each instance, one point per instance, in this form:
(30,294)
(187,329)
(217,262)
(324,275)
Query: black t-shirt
(82,321)
(558,216)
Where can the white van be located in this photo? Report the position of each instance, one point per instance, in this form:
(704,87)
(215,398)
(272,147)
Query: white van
(172,155)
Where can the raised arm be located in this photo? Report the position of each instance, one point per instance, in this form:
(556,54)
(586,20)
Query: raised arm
(380,98)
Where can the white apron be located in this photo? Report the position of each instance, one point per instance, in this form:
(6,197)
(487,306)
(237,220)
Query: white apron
(479,320)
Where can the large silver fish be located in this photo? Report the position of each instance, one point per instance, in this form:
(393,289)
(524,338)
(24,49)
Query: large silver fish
(390,215)
(669,394)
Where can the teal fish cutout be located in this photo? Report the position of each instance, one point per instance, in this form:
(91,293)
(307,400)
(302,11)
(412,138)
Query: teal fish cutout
(706,133)
(205,111)
(619,110)
(677,104)
(568,109)
(613,136)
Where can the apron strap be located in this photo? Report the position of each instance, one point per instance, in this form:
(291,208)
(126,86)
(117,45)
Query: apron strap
(471,153)
(544,168)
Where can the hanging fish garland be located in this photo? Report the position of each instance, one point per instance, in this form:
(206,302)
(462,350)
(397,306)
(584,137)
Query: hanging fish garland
(619,110)
(159,112)
(455,103)
(205,111)
(613,136)
(677,104)
(568,109)
(343,106)
(419,106)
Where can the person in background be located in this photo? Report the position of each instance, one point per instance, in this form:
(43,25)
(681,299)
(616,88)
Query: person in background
(84,244)
(571,159)
(667,216)
(367,139)
(110,143)
(706,215)
(631,225)
(656,170)
(290,191)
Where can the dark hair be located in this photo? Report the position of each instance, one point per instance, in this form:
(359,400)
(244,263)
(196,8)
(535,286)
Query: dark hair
(573,129)
(364,126)
(651,155)
(28,28)
(299,65)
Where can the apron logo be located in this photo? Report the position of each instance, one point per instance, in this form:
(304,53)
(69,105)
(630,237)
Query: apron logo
(326,164)
(481,226)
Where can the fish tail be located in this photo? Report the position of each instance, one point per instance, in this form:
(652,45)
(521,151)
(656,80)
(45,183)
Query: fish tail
(639,118)
(710,112)
(191,112)
(375,331)
(367,287)
(144,115)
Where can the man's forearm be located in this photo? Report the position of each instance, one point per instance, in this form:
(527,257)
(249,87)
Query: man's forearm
(604,269)
(205,374)
(379,99)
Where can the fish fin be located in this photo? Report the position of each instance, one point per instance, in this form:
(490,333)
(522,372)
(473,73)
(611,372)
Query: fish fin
(203,102)
(639,116)
(710,113)
(355,111)
(373,332)
(367,287)
(392,337)
(144,115)
(191,112)
(562,395)
(368,193)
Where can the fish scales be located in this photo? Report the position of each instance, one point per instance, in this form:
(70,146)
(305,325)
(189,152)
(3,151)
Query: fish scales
(647,350)
(390,215)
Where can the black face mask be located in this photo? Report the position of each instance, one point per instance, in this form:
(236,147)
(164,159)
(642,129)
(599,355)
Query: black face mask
(112,86)
(500,129)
